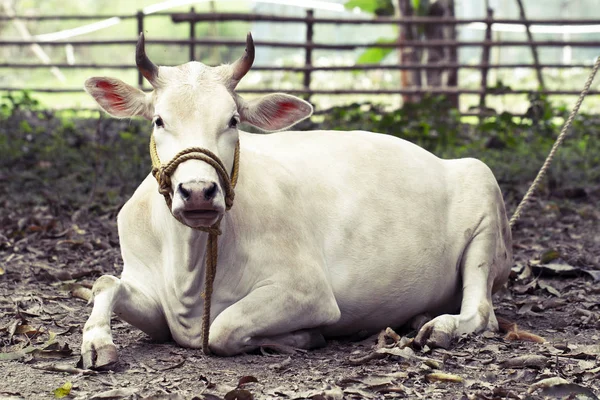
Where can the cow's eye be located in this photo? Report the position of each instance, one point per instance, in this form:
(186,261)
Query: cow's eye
(158,122)
(233,122)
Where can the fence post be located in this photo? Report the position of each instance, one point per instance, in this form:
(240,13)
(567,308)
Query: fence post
(485,58)
(308,55)
(192,34)
(140,29)
(453,57)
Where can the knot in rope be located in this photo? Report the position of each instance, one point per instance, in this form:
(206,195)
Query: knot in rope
(162,173)
(164,182)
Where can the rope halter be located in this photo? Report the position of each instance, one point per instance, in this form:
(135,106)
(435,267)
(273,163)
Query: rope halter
(162,173)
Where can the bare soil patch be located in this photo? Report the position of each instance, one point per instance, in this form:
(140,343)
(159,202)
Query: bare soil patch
(49,256)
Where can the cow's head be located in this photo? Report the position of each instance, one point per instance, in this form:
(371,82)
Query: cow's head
(194,105)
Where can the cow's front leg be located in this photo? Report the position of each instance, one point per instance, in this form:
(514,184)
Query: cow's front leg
(273,316)
(132,305)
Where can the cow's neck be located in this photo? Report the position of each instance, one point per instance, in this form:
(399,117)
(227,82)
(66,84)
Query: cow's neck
(184,255)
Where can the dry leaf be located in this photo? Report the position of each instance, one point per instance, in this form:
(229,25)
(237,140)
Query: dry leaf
(282,365)
(595,275)
(406,352)
(550,289)
(114,394)
(546,383)
(514,333)
(54,351)
(246,379)
(526,361)
(81,292)
(239,394)
(443,377)
(569,391)
(77,230)
(588,352)
(29,330)
(15,355)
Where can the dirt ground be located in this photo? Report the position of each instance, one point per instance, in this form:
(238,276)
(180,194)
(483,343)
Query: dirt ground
(48,258)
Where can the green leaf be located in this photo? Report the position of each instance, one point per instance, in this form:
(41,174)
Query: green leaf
(63,391)
(366,5)
(377,7)
(421,7)
(549,255)
(375,55)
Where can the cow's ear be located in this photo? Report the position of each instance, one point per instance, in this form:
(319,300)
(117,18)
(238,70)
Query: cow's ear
(274,112)
(118,98)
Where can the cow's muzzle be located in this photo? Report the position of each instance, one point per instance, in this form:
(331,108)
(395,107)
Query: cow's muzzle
(194,200)
(198,203)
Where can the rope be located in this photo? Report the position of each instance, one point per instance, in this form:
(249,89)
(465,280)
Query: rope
(162,173)
(558,142)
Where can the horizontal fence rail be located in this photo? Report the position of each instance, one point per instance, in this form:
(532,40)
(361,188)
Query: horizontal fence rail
(352,68)
(222,17)
(308,46)
(303,45)
(417,90)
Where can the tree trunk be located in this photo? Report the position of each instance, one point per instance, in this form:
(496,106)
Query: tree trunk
(410,78)
(440,54)
(433,55)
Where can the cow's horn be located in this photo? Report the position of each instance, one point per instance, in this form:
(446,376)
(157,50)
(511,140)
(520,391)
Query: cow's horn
(146,67)
(244,63)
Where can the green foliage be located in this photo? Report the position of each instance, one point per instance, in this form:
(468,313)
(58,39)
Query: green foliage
(377,7)
(67,160)
(513,146)
(71,161)
(14,101)
(375,55)
(386,8)
(432,123)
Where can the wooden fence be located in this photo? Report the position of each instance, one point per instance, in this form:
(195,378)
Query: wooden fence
(192,18)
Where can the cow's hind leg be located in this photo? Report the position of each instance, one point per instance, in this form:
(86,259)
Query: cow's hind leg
(131,304)
(479,269)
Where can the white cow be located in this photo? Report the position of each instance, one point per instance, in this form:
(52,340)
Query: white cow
(331,233)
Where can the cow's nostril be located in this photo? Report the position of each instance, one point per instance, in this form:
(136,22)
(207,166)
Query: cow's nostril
(183,192)
(210,191)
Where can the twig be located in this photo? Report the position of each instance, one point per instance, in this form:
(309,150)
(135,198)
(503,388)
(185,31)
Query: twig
(365,359)
(65,368)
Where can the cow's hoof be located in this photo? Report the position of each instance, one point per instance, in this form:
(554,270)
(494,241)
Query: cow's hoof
(102,358)
(439,332)
(433,338)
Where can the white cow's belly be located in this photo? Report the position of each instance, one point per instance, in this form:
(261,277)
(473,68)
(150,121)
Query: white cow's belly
(382,278)
(390,291)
